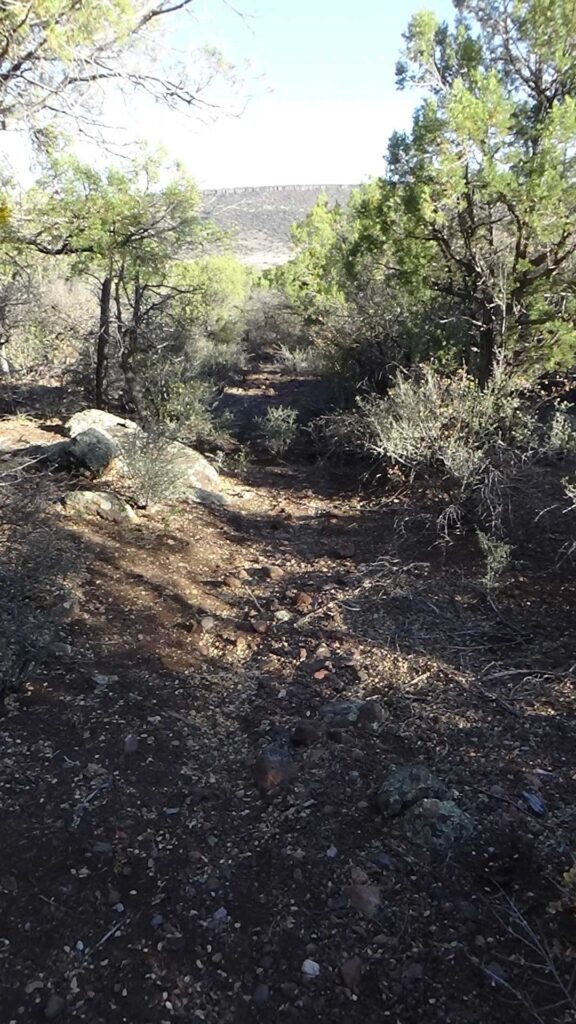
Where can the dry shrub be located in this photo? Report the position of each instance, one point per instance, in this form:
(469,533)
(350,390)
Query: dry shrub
(39,563)
(278,429)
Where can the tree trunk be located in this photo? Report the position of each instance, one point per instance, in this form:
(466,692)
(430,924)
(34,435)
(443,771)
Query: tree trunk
(128,360)
(486,354)
(103,347)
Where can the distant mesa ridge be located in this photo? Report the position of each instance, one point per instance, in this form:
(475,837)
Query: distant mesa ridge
(259,217)
(251,189)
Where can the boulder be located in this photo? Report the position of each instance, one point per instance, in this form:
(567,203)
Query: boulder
(101,503)
(194,477)
(99,438)
(54,456)
(92,451)
(106,422)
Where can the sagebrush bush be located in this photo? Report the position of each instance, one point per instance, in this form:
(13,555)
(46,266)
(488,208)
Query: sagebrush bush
(430,420)
(151,472)
(278,429)
(476,441)
(38,565)
(297,360)
(49,322)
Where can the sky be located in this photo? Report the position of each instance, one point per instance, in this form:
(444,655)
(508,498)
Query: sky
(319,91)
(316,102)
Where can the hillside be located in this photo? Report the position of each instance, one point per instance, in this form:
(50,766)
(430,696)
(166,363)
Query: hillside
(260,218)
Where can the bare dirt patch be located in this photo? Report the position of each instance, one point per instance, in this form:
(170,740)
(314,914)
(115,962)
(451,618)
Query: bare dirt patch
(148,874)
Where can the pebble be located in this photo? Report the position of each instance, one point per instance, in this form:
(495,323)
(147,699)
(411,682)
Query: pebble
(310,969)
(274,572)
(207,623)
(102,848)
(332,852)
(261,995)
(306,734)
(130,744)
(54,1007)
(365,898)
(273,768)
(351,971)
(343,549)
(371,713)
(283,615)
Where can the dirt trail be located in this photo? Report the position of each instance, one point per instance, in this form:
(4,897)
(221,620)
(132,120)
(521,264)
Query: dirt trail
(148,872)
(266,386)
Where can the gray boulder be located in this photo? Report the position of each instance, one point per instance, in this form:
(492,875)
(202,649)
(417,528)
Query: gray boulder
(106,422)
(158,470)
(101,503)
(92,451)
(194,477)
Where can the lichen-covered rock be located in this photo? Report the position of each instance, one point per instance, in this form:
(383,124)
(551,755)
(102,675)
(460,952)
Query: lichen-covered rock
(114,427)
(92,451)
(101,503)
(438,824)
(341,713)
(404,786)
(192,475)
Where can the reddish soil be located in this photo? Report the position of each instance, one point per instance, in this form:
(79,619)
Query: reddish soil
(146,878)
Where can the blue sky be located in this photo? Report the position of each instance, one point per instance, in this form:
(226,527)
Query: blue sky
(321,82)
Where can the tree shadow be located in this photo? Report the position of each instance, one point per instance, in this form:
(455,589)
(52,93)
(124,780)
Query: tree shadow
(174,831)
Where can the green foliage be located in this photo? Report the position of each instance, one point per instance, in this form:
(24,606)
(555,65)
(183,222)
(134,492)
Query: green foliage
(55,54)
(209,310)
(485,181)
(471,232)
(132,220)
(151,472)
(278,429)
(496,555)
(313,280)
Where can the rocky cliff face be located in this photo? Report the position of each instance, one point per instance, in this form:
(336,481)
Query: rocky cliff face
(260,219)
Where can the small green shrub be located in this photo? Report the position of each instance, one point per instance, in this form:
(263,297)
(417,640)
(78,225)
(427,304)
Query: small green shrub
(278,429)
(496,556)
(562,433)
(39,569)
(146,462)
(478,444)
(298,360)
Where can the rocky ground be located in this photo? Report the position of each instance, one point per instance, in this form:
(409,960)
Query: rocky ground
(282,760)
